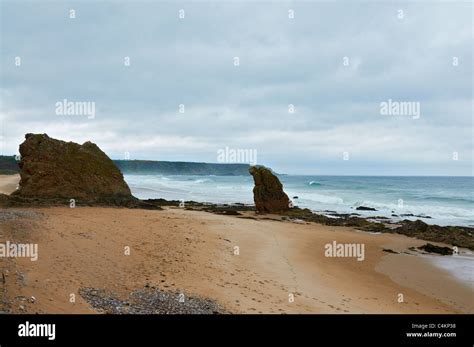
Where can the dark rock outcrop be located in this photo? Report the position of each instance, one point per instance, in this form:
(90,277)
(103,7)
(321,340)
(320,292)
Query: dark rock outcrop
(456,235)
(268,193)
(416,227)
(436,249)
(365,208)
(54,169)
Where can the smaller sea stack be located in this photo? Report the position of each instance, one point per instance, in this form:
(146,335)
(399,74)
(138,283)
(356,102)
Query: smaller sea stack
(268,193)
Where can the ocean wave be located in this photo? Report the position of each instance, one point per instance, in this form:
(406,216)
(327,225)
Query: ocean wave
(158,191)
(203,180)
(314,183)
(436,212)
(321,198)
(461,267)
(448,199)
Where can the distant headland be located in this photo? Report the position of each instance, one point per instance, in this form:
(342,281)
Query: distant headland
(9,165)
(148,167)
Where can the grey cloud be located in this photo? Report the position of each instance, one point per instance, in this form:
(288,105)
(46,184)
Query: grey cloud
(282,62)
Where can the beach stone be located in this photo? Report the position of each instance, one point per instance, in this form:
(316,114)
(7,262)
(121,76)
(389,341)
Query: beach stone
(51,168)
(268,193)
(430,248)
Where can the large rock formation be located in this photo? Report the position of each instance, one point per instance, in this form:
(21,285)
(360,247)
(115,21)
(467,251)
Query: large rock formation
(52,168)
(268,193)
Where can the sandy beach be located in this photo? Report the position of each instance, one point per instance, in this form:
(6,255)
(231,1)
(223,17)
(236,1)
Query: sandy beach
(193,252)
(8,183)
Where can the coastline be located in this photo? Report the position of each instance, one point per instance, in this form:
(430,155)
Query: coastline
(193,252)
(442,201)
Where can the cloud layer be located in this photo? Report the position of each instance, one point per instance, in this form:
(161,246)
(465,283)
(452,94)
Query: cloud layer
(283,61)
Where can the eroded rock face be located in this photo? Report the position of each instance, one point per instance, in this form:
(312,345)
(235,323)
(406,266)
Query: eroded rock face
(268,193)
(51,168)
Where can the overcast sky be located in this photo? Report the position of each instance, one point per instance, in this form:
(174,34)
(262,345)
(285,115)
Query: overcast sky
(402,56)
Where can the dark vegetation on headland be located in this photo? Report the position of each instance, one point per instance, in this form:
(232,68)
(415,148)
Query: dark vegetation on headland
(151,167)
(53,172)
(9,166)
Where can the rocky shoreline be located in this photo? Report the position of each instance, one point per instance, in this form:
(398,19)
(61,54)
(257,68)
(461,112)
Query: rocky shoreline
(117,201)
(459,236)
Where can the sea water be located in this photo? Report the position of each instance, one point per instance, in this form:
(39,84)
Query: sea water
(435,200)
